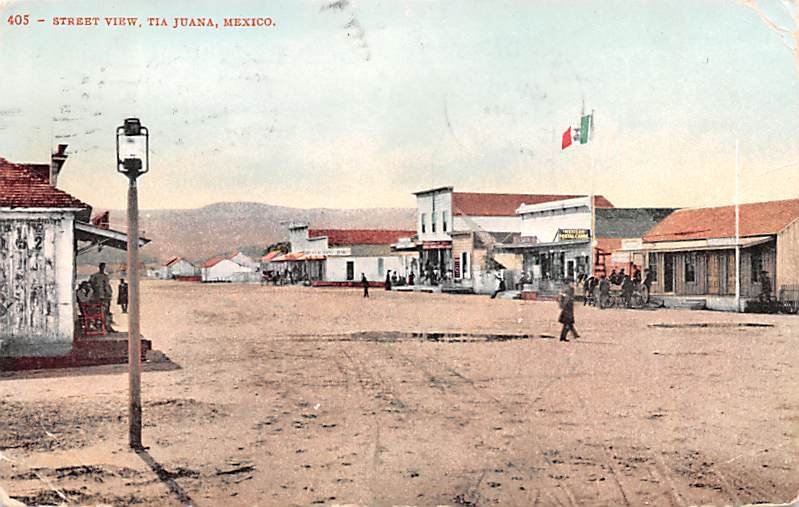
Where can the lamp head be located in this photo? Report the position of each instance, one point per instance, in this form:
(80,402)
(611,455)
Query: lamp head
(133,153)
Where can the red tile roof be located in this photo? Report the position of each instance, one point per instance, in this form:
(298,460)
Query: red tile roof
(478,204)
(757,219)
(342,237)
(271,255)
(27,186)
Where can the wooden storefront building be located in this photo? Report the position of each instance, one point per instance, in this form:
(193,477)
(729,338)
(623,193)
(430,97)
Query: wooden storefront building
(692,253)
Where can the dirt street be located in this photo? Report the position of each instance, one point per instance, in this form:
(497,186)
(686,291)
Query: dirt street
(298,396)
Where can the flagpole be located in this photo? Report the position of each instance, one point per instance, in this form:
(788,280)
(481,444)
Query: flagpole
(592,204)
(737,231)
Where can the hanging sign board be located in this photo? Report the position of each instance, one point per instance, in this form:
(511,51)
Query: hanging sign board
(573,234)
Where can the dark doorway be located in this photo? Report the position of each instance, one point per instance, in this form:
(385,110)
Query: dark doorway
(668,273)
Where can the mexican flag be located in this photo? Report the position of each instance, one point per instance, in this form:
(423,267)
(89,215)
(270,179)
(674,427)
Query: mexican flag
(581,133)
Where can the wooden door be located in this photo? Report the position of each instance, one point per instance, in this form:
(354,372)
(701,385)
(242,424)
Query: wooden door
(668,272)
(714,273)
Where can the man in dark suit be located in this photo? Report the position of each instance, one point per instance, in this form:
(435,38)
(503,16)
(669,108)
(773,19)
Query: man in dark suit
(365,284)
(101,288)
(566,301)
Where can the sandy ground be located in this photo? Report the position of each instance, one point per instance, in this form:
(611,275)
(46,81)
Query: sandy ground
(275,402)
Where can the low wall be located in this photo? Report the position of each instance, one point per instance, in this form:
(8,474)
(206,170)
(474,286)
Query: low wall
(718,303)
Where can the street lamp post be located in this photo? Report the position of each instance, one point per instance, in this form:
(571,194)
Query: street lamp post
(133,160)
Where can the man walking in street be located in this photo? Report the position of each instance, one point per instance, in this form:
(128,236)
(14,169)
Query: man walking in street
(566,300)
(604,292)
(627,289)
(103,293)
(365,284)
(500,285)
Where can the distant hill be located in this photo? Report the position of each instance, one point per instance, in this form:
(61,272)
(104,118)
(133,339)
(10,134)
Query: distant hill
(200,233)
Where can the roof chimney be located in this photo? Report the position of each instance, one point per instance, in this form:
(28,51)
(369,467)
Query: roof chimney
(57,160)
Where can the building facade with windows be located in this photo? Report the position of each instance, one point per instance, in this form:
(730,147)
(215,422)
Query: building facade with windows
(563,239)
(341,256)
(692,253)
(456,232)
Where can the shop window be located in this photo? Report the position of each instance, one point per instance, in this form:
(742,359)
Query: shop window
(424,222)
(757,264)
(690,268)
(380,267)
(652,264)
(350,270)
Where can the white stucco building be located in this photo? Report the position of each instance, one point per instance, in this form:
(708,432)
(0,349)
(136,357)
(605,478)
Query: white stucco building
(341,256)
(223,269)
(177,266)
(476,221)
(42,231)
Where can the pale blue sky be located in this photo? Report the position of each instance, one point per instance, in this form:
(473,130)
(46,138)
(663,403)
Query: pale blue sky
(419,93)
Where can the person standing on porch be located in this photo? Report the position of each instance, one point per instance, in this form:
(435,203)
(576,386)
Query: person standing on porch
(648,282)
(765,287)
(566,317)
(365,284)
(122,295)
(103,292)
(388,280)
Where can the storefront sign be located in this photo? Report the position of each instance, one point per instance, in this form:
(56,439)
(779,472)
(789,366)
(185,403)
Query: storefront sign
(436,245)
(330,252)
(573,234)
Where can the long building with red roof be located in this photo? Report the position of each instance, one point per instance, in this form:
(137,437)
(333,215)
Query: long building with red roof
(343,256)
(692,253)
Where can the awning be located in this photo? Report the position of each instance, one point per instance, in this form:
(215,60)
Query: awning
(543,246)
(99,236)
(700,244)
(405,247)
(299,256)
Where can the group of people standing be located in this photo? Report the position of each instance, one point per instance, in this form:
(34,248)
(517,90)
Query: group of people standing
(97,289)
(628,285)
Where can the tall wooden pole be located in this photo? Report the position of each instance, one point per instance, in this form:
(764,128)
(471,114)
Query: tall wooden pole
(134,332)
(737,231)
